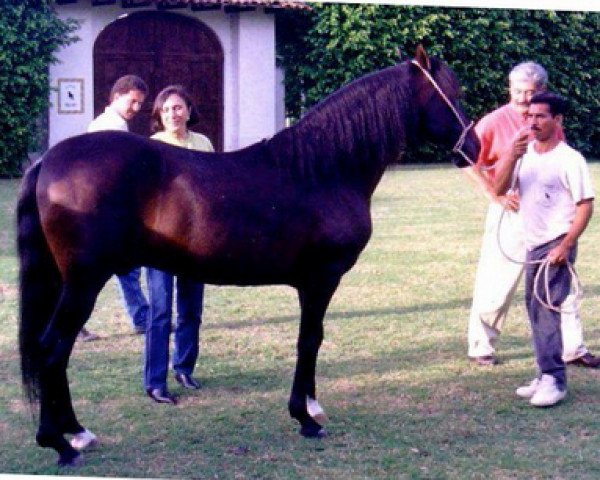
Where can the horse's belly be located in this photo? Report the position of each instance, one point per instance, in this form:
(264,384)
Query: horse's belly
(249,264)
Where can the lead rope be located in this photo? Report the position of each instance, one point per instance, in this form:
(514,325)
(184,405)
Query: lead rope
(575,288)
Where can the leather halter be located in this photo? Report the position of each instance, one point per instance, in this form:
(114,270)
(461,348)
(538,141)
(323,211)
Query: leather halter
(465,128)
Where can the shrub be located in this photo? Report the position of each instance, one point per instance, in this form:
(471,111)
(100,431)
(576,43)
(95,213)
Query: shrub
(30,33)
(339,42)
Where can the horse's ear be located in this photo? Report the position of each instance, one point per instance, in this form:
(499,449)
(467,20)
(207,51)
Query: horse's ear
(422,58)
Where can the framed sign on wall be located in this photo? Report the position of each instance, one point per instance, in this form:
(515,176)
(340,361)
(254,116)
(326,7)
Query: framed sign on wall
(70,95)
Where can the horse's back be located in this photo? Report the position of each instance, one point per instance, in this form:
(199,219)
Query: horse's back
(112,200)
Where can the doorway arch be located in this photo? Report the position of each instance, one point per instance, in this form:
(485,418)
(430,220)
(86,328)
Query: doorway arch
(163,48)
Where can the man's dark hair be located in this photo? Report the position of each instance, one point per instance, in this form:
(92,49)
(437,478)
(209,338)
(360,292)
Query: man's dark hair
(556,103)
(126,83)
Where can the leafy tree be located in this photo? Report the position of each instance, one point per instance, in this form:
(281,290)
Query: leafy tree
(336,43)
(30,33)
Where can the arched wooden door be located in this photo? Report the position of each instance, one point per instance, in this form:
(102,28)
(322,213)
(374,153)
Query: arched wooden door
(163,48)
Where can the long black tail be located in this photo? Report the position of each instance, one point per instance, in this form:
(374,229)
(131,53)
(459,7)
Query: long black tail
(40,283)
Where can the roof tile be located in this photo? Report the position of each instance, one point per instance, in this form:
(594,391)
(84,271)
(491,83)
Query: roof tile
(283,4)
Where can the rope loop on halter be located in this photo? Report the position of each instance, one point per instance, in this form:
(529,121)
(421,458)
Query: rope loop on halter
(465,127)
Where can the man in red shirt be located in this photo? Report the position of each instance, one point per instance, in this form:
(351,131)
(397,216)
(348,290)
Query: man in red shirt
(497,276)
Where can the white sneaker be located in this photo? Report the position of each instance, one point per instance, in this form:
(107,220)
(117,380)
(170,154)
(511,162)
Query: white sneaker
(547,393)
(527,391)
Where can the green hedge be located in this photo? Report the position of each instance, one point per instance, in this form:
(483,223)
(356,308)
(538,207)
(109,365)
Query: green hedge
(336,43)
(29,35)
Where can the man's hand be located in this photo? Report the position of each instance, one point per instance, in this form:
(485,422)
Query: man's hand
(507,161)
(510,201)
(520,142)
(558,255)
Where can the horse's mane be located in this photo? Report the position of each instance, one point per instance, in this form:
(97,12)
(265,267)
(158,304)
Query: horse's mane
(369,120)
(365,121)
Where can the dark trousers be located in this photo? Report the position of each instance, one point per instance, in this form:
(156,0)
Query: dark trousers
(133,296)
(187,327)
(545,323)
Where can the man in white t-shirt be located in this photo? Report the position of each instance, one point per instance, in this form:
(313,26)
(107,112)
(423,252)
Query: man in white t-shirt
(126,98)
(556,206)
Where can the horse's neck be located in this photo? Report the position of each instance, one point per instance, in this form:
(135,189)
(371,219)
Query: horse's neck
(356,149)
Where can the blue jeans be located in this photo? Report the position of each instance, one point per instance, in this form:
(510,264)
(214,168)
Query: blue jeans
(133,296)
(187,327)
(545,323)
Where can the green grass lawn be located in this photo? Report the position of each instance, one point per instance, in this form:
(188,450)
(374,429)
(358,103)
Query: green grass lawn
(403,400)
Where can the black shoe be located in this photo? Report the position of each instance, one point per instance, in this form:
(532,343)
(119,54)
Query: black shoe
(485,360)
(187,381)
(161,395)
(586,360)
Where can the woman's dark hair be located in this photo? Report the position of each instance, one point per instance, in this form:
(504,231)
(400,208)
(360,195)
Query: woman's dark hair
(156,124)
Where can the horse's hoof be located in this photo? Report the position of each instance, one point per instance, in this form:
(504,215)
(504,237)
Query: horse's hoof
(316,411)
(70,459)
(320,418)
(313,432)
(84,440)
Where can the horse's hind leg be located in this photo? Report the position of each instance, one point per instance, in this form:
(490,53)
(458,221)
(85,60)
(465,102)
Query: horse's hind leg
(314,300)
(57,416)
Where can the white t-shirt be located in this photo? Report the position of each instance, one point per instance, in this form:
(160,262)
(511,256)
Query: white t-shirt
(550,185)
(108,120)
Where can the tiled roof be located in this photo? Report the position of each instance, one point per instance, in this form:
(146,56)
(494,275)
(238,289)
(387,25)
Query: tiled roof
(201,4)
(288,4)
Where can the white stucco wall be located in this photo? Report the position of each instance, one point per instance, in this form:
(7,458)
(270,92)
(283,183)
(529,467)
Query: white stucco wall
(250,91)
(255,96)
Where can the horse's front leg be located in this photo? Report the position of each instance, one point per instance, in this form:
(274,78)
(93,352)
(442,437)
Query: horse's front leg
(314,300)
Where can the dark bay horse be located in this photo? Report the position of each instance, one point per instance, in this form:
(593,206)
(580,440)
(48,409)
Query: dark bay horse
(291,210)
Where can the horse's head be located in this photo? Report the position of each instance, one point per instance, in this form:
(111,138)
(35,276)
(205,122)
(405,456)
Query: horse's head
(441,117)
